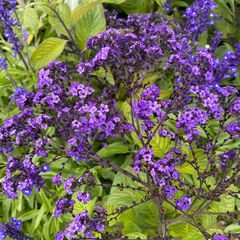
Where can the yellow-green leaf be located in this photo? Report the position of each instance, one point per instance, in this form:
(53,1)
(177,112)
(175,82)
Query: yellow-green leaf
(47,51)
(83,9)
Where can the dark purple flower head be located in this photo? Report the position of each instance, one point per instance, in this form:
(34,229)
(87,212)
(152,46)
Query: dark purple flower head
(3,64)
(199,15)
(219,237)
(57,179)
(7,9)
(83,197)
(70,185)
(183,204)
(22,98)
(11,230)
(63,206)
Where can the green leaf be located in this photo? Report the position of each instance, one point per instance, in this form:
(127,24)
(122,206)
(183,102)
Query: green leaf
(187,168)
(180,4)
(233,228)
(28,215)
(30,20)
(185,231)
(46,230)
(111,149)
(65,14)
(79,206)
(203,37)
(45,201)
(137,6)
(136,235)
(39,217)
(160,145)
(80,11)
(47,51)
(114,1)
(224,10)
(58,27)
(90,24)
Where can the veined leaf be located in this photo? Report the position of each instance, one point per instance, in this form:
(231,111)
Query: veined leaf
(28,215)
(90,24)
(47,51)
(80,11)
(160,145)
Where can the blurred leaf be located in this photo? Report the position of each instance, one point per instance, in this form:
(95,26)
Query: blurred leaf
(90,24)
(58,27)
(45,201)
(111,149)
(185,231)
(65,13)
(224,10)
(114,1)
(233,228)
(39,217)
(136,235)
(180,3)
(28,215)
(137,6)
(30,20)
(47,51)
(80,11)
(203,37)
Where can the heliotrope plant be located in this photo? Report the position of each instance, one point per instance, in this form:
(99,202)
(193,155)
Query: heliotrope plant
(69,119)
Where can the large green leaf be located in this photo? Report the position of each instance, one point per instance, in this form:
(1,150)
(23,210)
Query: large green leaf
(30,20)
(137,6)
(160,145)
(84,7)
(47,51)
(40,215)
(90,24)
(64,13)
(185,231)
(111,149)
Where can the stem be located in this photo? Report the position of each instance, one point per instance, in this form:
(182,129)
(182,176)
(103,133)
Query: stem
(14,84)
(105,163)
(67,30)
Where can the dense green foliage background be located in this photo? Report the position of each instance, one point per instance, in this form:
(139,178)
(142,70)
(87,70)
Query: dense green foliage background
(51,27)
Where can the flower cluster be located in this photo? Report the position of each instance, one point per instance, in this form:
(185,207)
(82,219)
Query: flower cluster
(21,175)
(63,206)
(12,230)
(82,224)
(199,16)
(7,8)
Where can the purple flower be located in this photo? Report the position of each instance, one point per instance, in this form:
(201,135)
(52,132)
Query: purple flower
(191,118)
(83,197)
(11,230)
(70,185)
(183,204)
(220,237)
(198,17)
(57,179)
(3,64)
(63,206)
